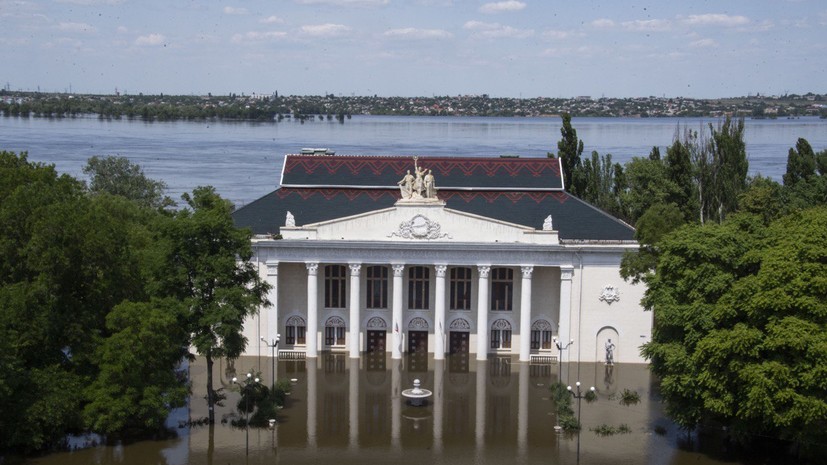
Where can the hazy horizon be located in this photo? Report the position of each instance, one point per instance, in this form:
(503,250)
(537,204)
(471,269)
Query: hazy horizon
(510,48)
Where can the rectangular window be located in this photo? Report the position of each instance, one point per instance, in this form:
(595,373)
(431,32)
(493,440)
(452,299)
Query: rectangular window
(334,335)
(460,289)
(535,340)
(335,288)
(502,289)
(546,338)
(418,288)
(377,287)
(300,330)
(500,338)
(290,338)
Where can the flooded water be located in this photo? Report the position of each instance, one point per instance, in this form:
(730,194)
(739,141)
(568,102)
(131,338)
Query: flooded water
(349,411)
(244,160)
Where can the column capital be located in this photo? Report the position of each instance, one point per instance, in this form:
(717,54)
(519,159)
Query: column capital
(440,270)
(484,270)
(272,268)
(312,268)
(527,270)
(355,268)
(566,273)
(397,270)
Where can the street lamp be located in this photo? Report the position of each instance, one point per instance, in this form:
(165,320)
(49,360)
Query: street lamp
(245,387)
(579,395)
(273,345)
(560,349)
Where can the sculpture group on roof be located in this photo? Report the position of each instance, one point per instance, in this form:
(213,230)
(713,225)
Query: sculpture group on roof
(420,185)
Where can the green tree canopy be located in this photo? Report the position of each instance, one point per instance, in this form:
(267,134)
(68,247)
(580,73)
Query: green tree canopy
(740,335)
(205,263)
(119,176)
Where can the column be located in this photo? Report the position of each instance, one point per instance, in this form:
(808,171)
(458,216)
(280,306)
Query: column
(396,350)
(522,411)
(525,314)
(312,309)
(273,297)
(396,402)
(564,323)
(439,310)
(482,312)
(355,321)
(311,401)
(439,403)
(482,383)
(353,403)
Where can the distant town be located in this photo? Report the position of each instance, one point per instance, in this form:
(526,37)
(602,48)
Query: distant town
(306,108)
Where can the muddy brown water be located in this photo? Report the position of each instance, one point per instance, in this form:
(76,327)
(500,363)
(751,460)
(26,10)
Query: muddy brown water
(349,411)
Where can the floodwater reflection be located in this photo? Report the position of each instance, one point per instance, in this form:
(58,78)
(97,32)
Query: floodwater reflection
(350,411)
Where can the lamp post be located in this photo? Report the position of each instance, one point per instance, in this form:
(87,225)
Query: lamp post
(560,349)
(246,395)
(273,346)
(579,395)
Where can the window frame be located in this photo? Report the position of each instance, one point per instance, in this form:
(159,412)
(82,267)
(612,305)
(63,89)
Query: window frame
(419,288)
(376,287)
(502,289)
(335,286)
(458,284)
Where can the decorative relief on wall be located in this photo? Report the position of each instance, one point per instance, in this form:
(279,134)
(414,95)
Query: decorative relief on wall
(418,323)
(501,324)
(610,294)
(377,322)
(420,227)
(541,325)
(460,323)
(295,321)
(335,322)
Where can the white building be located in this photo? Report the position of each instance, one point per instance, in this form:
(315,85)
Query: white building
(500,260)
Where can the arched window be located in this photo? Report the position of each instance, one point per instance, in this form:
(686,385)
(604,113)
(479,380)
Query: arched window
(334,331)
(540,335)
(501,334)
(295,327)
(335,286)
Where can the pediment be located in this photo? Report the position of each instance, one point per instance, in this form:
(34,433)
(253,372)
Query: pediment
(419,222)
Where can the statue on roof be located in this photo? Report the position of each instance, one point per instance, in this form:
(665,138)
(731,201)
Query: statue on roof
(547,224)
(420,185)
(289,221)
(406,186)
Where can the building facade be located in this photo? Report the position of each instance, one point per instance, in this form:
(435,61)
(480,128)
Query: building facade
(463,256)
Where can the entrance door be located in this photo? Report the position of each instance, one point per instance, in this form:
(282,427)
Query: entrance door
(418,342)
(376,341)
(458,351)
(458,342)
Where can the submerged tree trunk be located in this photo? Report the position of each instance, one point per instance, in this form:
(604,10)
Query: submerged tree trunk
(210,396)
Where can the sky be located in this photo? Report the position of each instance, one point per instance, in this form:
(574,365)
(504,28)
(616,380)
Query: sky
(509,48)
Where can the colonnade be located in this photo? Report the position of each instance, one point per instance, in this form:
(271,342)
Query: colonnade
(397,328)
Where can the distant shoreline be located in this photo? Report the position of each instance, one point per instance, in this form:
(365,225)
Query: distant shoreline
(276,108)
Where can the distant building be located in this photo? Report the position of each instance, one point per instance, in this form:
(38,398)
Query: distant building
(498,260)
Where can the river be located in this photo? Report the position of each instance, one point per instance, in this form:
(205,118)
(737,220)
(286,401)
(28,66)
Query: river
(243,160)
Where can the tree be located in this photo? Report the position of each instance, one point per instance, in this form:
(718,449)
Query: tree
(119,176)
(801,163)
(729,168)
(740,335)
(659,220)
(678,163)
(569,150)
(137,385)
(65,260)
(205,264)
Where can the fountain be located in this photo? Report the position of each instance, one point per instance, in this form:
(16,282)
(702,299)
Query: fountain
(417,396)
